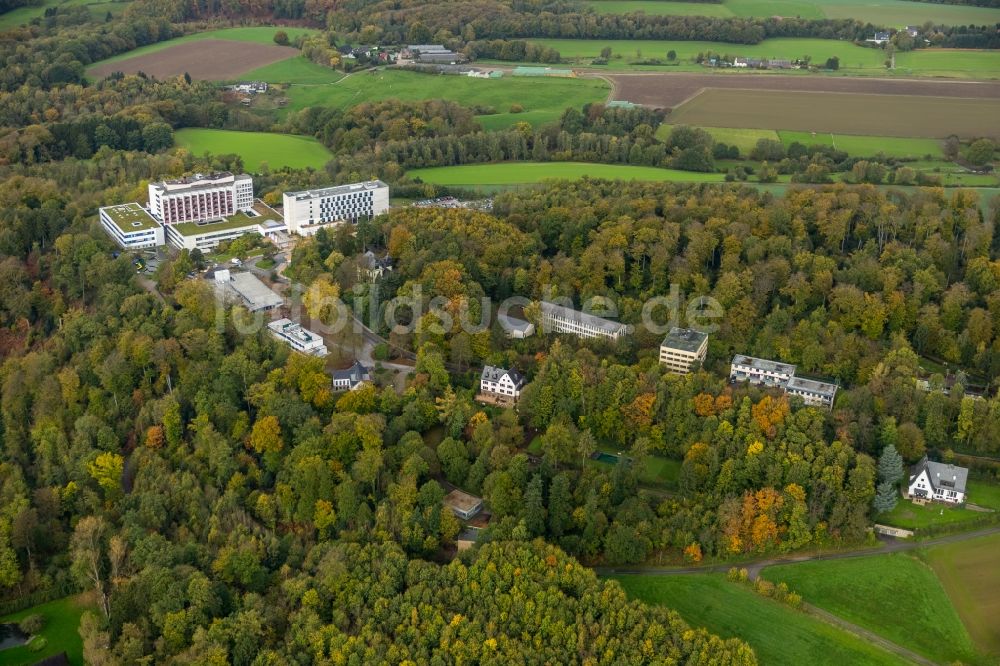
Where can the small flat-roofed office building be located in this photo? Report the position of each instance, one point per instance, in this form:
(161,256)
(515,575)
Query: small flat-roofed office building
(462,504)
(812,392)
(131,226)
(760,371)
(253,294)
(682,349)
(560,319)
(298,338)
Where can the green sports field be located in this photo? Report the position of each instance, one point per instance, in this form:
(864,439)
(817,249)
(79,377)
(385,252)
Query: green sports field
(299,70)
(970,573)
(256,35)
(62,622)
(519,173)
(780,635)
(896,596)
(256,148)
(891,13)
(543,99)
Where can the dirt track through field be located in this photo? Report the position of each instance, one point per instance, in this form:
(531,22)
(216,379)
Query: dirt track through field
(665,90)
(206,59)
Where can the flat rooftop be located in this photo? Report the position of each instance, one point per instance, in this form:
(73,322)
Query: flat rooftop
(199,180)
(764,365)
(265,215)
(562,312)
(256,294)
(336,189)
(130,217)
(812,386)
(685,339)
(461,500)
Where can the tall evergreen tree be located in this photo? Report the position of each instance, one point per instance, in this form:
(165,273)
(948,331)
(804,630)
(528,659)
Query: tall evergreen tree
(890,465)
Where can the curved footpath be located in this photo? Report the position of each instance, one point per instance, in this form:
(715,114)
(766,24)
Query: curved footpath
(754,567)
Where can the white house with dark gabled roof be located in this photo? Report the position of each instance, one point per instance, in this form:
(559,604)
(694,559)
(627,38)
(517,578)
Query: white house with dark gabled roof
(351,378)
(501,383)
(937,481)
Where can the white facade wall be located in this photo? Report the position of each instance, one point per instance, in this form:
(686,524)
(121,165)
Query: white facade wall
(308,211)
(197,199)
(132,240)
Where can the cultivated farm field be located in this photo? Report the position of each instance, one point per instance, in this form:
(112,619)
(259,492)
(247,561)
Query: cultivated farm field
(543,100)
(879,115)
(883,12)
(212,55)
(779,634)
(895,595)
(520,173)
(970,572)
(256,148)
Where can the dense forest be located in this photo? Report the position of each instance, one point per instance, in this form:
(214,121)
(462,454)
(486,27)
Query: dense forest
(218,502)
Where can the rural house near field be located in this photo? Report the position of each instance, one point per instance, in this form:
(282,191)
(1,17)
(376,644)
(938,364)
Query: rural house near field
(933,481)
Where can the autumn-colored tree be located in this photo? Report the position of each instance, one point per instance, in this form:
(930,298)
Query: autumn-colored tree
(266,436)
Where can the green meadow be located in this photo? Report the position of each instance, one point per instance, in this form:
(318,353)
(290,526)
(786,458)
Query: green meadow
(298,70)
(256,148)
(256,35)
(624,51)
(519,173)
(542,100)
(867,146)
(779,634)
(853,145)
(23,15)
(891,13)
(896,596)
(60,634)
(960,63)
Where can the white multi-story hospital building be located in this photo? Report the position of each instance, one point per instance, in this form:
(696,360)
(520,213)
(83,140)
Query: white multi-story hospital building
(308,211)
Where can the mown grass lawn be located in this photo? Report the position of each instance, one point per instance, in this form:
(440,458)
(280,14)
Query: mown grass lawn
(543,99)
(780,635)
(512,173)
(884,12)
(62,622)
(970,572)
(895,595)
(256,148)
(913,517)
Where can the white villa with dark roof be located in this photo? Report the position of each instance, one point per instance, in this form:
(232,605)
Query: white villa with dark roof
(933,481)
(350,379)
(501,383)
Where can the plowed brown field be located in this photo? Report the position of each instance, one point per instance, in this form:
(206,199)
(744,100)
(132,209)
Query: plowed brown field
(207,59)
